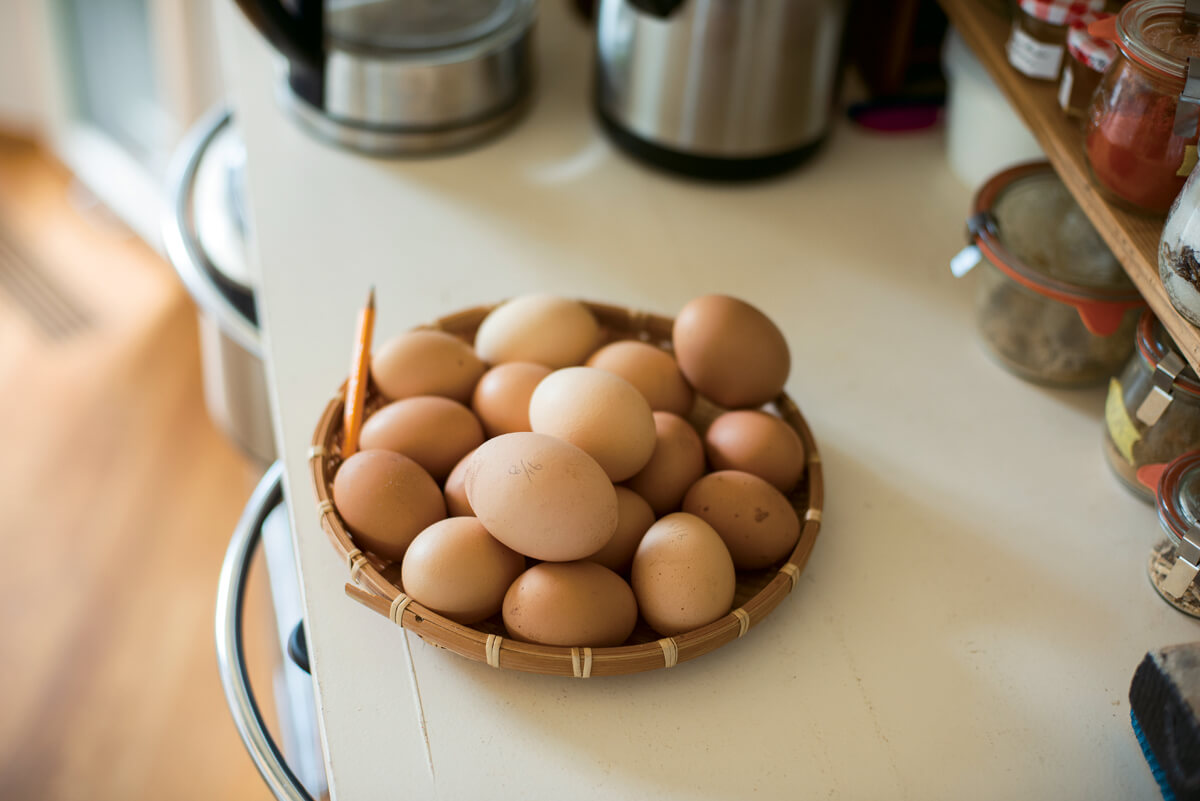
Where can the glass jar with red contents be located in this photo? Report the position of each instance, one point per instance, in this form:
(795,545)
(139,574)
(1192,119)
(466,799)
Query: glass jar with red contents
(1137,154)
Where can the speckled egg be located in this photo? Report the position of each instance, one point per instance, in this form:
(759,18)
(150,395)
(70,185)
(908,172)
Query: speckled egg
(599,412)
(757,443)
(730,351)
(426,363)
(634,518)
(757,523)
(542,328)
(682,575)
(385,499)
(676,464)
(502,396)
(571,604)
(436,432)
(459,570)
(652,371)
(541,496)
(455,490)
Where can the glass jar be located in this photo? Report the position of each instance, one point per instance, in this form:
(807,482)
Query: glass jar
(1152,414)
(1088,58)
(1175,562)
(1136,157)
(1039,35)
(1054,305)
(1179,252)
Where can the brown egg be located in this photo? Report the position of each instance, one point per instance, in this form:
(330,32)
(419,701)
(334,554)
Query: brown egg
(652,371)
(436,432)
(541,328)
(455,490)
(571,604)
(599,412)
(634,517)
(426,363)
(542,497)
(502,396)
(459,570)
(730,351)
(754,519)
(676,464)
(757,443)
(385,499)
(682,575)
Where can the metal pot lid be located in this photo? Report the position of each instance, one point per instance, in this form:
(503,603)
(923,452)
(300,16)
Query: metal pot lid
(230,304)
(419,26)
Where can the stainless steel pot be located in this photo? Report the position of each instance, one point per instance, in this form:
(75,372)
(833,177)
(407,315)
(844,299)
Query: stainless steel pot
(718,88)
(235,386)
(393,77)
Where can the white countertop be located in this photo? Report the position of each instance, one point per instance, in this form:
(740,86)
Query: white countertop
(977,601)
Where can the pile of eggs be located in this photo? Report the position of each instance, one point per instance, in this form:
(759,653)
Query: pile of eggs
(564,483)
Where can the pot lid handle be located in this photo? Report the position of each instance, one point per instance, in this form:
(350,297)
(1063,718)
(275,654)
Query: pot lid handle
(657,8)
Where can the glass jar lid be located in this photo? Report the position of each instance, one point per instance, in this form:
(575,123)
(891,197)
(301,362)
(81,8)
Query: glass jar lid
(1152,33)
(1179,496)
(1028,225)
(1095,53)
(1060,12)
(1154,344)
(417,25)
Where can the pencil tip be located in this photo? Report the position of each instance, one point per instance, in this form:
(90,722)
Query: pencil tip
(371,297)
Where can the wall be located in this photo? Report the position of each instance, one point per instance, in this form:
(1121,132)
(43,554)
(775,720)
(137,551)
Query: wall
(21,109)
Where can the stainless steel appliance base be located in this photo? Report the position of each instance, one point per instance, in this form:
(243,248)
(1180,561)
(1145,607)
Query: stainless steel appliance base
(381,141)
(711,168)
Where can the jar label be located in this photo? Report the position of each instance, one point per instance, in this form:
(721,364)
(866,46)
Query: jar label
(1121,429)
(1064,88)
(1189,161)
(1033,58)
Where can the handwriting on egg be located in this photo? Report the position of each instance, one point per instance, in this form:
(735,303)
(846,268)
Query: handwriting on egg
(524,468)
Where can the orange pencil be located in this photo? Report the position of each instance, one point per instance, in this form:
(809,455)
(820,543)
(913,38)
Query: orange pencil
(360,372)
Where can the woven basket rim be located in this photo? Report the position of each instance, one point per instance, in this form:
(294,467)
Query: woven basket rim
(382,596)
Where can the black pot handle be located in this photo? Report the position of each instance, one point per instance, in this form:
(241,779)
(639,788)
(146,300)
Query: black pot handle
(657,8)
(300,37)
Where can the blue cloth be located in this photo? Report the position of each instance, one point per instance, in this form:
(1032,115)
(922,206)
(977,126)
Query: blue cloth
(1160,775)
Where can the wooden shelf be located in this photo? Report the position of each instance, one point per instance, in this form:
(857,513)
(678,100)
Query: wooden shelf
(1132,238)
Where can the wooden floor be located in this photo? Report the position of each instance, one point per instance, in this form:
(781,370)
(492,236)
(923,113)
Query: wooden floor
(117,497)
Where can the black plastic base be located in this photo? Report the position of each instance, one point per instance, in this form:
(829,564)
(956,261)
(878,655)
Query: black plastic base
(709,168)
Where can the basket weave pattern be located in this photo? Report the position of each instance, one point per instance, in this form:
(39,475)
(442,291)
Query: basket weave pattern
(758,592)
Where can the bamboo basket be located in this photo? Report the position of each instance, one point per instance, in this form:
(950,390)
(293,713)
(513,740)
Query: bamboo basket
(758,592)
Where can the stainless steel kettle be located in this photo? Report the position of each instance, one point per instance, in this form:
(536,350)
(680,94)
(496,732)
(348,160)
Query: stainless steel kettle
(401,76)
(722,89)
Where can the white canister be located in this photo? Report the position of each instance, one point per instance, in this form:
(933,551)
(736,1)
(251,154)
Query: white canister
(984,135)
(1179,251)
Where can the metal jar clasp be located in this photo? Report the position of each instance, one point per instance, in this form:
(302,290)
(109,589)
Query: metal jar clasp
(1160,396)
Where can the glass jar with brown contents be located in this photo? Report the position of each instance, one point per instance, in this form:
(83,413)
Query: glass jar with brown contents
(1175,561)
(1152,414)
(1054,306)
